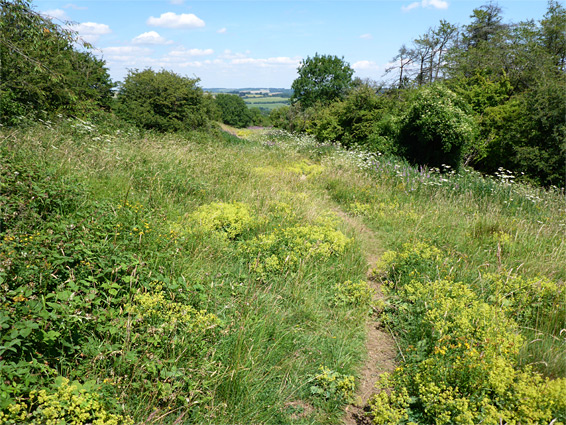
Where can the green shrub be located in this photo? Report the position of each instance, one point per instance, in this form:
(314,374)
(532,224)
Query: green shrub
(163,101)
(233,110)
(64,403)
(286,248)
(330,384)
(436,129)
(353,294)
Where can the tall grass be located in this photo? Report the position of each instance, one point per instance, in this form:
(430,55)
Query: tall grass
(488,224)
(142,265)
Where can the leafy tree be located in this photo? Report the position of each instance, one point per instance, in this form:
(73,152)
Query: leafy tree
(43,70)
(260,116)
(163,101)
(553,32)
(233,110)
(322,79)
(437,128)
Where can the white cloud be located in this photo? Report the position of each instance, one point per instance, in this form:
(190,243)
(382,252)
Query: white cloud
(434,4)
(182,52)
(411,6)
(172,20)
(228,54)
(294,62)
(365,66)
(177,2)
(56,14)
(91,31)
(126,50)
(150,37)
(74,6)
(222,31)
(366,36)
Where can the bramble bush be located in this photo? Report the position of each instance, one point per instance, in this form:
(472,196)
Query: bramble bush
(66,274)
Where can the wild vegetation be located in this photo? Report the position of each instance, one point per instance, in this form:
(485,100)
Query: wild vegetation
(501,85)
(154,269)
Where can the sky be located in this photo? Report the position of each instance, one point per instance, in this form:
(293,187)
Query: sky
(237,44)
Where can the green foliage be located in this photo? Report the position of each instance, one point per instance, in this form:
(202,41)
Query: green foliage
(460,353)
(233,110)
(322,79)
(69,403)
(354,294)
(163,101)
(71,280)
(436,128)
(260,117)
(286,249)
(527,134)
(42,71)
(231,219)
(330,384)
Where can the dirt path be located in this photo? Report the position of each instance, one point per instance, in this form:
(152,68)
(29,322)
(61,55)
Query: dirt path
(380,346)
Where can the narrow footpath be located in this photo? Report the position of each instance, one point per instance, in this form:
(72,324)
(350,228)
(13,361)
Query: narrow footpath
(380,346)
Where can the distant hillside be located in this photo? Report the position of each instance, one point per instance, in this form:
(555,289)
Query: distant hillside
(283,92)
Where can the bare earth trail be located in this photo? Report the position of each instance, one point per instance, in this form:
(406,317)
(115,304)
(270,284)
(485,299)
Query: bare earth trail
(380,346)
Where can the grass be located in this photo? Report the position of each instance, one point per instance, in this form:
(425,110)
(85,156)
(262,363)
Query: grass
(122,241)
(101,221)
(271,102)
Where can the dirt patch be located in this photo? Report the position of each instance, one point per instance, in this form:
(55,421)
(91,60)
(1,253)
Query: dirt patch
(300,408)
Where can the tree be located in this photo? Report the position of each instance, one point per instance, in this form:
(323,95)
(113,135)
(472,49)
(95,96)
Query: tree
(553,32)
(44,69)
(425,59)
(437,128)
(233,110)
(322,79)
(163,101)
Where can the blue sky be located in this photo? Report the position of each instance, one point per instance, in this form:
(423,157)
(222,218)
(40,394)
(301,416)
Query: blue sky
(237,44)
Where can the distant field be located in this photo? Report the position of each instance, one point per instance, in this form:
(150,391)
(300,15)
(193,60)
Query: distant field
(271,102)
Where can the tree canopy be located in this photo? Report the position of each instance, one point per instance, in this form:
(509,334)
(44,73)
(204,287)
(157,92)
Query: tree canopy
(233,110)
(322,79)
(45,68)
(162,101)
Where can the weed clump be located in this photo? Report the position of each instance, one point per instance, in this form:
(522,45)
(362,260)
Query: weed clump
(285,249)
(231,219)
(65,402)
(460,352)
(330,384)
(353,294)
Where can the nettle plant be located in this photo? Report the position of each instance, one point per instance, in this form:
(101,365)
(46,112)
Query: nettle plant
(460,353)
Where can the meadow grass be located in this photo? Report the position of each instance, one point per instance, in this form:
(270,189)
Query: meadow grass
(213,265)
(185,329)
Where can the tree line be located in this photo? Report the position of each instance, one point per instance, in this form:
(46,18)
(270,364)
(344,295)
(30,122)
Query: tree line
(488,94)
